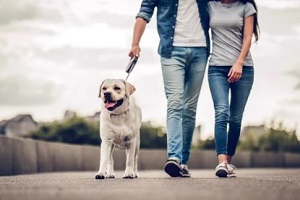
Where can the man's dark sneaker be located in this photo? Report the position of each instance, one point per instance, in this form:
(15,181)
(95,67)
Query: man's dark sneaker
(185,171)
(172,167)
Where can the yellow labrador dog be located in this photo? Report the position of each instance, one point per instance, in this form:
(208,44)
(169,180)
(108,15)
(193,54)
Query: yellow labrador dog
(120,122)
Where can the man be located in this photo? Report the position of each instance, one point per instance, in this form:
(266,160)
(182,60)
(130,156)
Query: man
(184,48)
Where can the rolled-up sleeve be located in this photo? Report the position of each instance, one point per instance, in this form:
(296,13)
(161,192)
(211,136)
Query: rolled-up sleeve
(147,9)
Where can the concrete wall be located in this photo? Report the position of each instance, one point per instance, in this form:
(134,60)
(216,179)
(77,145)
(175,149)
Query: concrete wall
(24,156)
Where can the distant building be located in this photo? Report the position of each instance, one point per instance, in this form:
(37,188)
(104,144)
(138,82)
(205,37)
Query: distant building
(18,126)
(254,132)
(2,127)
(196,135)
(94,118)
(69,114)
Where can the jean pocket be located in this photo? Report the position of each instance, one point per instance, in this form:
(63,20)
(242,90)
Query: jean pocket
(248,71)
(248,75)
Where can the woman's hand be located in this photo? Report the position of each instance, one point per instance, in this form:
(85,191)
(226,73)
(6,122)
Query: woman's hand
(235,72)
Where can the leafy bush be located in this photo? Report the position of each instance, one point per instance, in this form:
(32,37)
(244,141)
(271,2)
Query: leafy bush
(77,130)
(276,139)
(153,137)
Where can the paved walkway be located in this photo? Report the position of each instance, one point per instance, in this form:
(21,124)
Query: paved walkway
(250,184)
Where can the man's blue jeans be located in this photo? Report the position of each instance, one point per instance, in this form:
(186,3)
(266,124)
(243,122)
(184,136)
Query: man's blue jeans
(183,76)
(228,112)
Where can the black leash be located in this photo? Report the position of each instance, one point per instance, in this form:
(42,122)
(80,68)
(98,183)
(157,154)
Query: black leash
(131,65)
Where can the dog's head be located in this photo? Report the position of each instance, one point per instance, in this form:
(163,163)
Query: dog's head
(115,94)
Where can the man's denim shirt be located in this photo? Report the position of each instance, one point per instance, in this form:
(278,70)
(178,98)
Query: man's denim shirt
(166,19)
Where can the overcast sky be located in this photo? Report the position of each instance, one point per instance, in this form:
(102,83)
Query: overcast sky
(54,54)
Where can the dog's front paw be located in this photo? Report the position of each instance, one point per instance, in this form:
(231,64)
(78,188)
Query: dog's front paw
(128,176)
(110,176)
(100,176)
(136,175)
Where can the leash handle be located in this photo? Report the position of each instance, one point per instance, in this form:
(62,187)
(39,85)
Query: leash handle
(131,65)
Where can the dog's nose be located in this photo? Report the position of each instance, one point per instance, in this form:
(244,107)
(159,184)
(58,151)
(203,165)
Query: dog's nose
(107,94)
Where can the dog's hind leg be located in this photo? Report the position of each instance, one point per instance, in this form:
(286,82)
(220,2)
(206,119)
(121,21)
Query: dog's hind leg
(110,163)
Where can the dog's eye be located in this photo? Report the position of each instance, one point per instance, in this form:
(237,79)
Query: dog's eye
(104,88)
(117,88)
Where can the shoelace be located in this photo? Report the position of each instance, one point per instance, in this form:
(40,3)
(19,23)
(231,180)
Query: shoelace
(222,165)
(231,168)
(184,167)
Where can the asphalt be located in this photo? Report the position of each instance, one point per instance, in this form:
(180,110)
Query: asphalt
(249,184)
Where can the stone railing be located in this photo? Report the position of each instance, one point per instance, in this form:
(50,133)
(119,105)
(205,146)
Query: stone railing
(24,156)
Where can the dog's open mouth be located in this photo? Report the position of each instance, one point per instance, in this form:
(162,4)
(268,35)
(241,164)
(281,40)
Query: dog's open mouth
(111,105)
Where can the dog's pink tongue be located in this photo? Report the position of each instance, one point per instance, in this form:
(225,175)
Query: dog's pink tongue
(109,104)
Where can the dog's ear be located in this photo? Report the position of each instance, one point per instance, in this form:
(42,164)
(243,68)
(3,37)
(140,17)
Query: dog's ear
(100,89)
(129,89)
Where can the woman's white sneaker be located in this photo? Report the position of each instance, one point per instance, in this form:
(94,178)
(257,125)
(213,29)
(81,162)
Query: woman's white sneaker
(231,169)
(222,170)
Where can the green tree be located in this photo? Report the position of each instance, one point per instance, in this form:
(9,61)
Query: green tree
(250,143)
(279,140)
(208,144)
(75,130)
(276,139)
(153,137)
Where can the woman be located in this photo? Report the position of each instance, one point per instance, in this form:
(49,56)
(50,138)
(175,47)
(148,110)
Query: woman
(230,73)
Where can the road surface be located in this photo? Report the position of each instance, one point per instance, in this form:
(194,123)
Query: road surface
(250,184)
